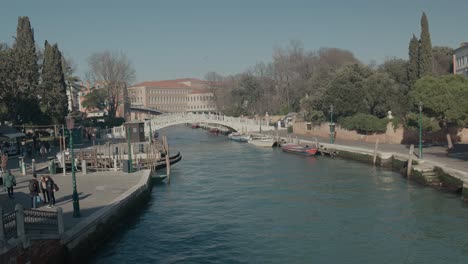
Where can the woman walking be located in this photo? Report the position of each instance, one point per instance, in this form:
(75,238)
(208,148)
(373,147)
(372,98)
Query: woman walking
(44,191)
(10,182)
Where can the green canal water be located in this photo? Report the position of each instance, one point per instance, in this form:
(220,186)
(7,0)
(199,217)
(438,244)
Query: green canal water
(230,202)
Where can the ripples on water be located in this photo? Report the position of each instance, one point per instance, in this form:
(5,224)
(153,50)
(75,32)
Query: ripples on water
(235,203)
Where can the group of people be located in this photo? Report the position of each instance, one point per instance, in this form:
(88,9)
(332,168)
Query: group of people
(44,185)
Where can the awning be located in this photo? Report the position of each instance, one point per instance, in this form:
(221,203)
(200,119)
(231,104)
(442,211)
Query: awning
(13,135)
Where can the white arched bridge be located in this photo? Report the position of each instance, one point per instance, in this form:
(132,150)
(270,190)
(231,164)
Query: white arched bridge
(240,124)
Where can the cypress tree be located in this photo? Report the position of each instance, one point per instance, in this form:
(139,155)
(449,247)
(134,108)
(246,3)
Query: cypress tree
(425,49)
(413,70)
(22,107)
(53,97)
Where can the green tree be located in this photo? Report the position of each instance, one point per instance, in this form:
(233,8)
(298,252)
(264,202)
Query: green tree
(443,60)
(444,98)
(21,100)
(346,91)
(95,99)
(413,68)
(425,49)
(54,102)
(381,94)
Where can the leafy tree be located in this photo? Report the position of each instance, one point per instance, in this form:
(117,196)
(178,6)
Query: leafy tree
(96,99)
(364,123)
(346,91)
(54,100)
(308,106)
(444,98)
(413,63)
(380,94)
(428,123)
(443,60)
(425,49)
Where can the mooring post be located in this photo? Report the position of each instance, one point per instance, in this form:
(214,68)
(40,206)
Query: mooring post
(410,161)
(375,151)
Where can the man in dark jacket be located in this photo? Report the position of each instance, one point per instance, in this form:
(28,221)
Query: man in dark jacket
(50,189)
(34,190)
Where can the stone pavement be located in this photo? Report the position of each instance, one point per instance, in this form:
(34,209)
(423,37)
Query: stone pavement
(437,155)
(95,190)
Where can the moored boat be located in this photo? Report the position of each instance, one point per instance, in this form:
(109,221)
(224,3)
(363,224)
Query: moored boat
(298,149)
(236,136)
(262,141)
(214,131)
(195,125)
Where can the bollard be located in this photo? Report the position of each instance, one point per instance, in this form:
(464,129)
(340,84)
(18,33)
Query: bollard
(33,165)
(84,168)
(115,164)
(23,168)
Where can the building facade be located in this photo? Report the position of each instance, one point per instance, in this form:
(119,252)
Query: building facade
(180,95)
(460,60)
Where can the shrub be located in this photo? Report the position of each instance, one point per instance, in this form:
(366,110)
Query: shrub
(364,123)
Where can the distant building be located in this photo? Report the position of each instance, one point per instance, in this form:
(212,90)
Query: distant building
(460,59)
(179,95)
(73,96)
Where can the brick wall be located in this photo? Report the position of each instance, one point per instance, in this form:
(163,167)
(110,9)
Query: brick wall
(391,136)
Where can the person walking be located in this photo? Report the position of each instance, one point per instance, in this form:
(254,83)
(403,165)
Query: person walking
(4,161)
(10,182)
(50,184)
(34,190)
(42,150)
(45,193)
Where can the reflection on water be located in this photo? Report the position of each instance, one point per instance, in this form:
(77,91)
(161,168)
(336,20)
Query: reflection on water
(235,203)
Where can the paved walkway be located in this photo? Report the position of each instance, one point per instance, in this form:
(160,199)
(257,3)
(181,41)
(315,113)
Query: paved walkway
(95,190)
(436,155)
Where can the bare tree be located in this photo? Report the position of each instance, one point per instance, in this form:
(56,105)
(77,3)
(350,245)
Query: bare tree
(114,72)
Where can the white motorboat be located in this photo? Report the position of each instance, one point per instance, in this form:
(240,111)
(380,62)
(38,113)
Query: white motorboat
(262,141)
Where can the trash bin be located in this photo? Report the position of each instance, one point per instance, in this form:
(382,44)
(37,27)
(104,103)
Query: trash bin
(126,166)
(52,166)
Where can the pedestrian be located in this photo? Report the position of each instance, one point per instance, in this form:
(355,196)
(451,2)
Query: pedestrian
(50,185)
(47,147)
(42,150)
(4,161)
(34,190)
(45,193)
(10,182)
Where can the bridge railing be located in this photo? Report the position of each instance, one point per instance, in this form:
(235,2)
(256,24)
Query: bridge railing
(31,223)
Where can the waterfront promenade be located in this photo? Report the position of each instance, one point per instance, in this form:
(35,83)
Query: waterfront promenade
(96,190)
(436,155)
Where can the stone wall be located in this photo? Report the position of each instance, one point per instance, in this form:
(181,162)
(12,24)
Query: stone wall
(391,136)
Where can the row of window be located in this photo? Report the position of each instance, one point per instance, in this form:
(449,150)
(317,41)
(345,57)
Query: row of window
(172,91)
(183,108)
(462,61)
(171,99)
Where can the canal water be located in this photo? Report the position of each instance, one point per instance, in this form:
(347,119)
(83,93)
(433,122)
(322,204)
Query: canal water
(230,202)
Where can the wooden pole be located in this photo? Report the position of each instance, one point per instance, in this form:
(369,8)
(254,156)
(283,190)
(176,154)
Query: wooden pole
(410,161)
(168,163)
(375,151)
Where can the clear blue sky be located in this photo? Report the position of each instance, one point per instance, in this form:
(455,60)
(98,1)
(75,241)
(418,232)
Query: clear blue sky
(175,39)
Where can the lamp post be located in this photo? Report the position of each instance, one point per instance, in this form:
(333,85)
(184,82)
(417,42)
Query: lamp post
(420,131)
(76,202)
(332,126)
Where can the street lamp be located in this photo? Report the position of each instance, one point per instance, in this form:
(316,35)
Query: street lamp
(420,131)
(76,203)
(332,126)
